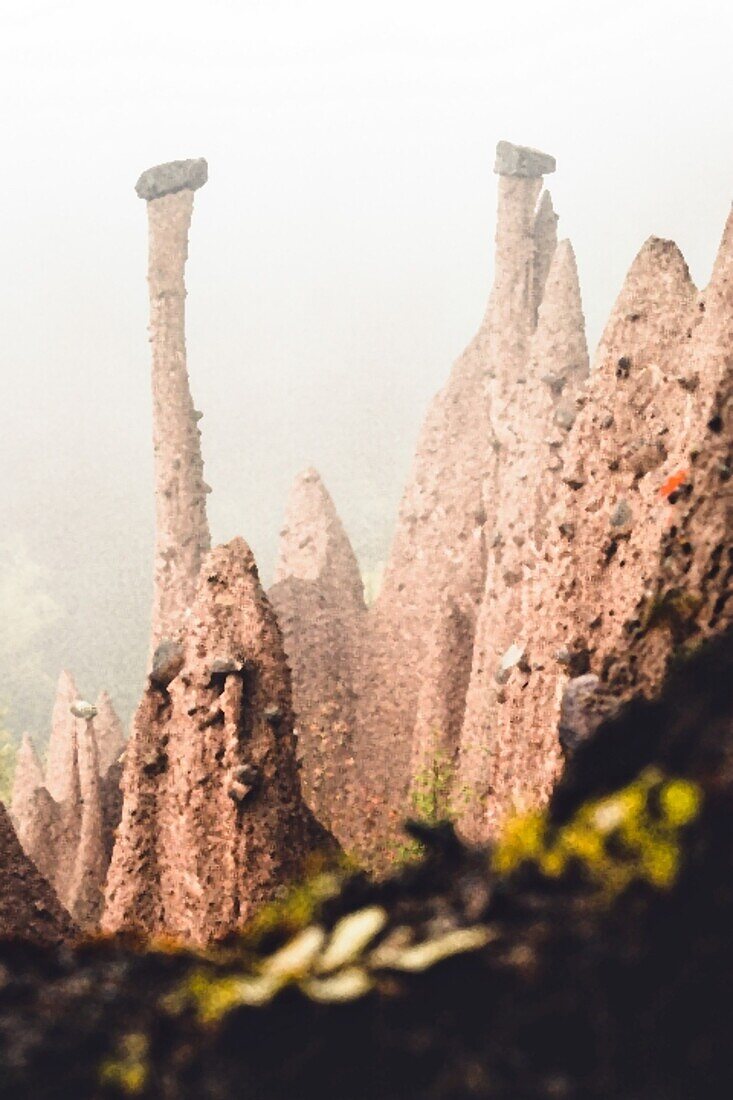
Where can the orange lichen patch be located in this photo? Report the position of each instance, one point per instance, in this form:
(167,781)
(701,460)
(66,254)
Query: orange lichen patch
(673,482)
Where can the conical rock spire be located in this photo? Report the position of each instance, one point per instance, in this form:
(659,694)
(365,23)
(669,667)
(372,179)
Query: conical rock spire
(109,731)
(213,819)
(64,727)
(313,543)
(319,602)
(545,243)
(28,777)
(86,886)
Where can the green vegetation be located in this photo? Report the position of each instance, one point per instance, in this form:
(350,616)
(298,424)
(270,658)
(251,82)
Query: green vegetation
(631,835)
(431,791)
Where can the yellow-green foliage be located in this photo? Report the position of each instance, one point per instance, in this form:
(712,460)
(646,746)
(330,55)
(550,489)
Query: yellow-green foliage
(674,608)
(431,790)
(631,835)
(329,967)
(302,901)
(128,1069)
(634,834)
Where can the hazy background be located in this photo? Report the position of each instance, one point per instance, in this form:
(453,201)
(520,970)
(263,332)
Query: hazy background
(341,255)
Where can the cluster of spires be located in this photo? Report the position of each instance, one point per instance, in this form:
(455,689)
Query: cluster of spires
(564,533)
(65,814)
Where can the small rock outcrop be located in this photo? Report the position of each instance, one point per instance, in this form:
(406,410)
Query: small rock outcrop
(213,822)
(181,529)
(29,908)
(318,599)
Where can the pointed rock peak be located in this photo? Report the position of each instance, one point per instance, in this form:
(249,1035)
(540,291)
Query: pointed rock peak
(28,757)
(721,280)
(544,234)
(63,725)
(655,299)
(659,274)
(109,730)
(230,613)
(559,344)
(562,288)
(545,214)
(314,545)
(27,779)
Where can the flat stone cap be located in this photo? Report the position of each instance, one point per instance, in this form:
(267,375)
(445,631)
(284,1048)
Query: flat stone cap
(176,175)
(519,160)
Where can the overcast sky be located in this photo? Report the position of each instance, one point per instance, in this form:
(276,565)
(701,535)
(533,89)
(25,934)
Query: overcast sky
(341,252)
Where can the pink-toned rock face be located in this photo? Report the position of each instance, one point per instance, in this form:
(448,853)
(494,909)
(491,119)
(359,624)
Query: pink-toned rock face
(635,563)
(64,727)
(109,731)
(70,841)
(85,895)
(417,657)
(318,599)
(213,822)
(52,831)
(534,408)
(181,528)
(29,908)
(27,778)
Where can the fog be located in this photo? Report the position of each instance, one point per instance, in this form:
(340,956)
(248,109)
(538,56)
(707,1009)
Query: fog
(340,256)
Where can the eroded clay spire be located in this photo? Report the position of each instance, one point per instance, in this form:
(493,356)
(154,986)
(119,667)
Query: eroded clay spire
(445,508)
(85,893)
(539,412)
(28,777)
(59,757)
(109,731)
(545,242)
(182,532)
(319,602)
(213,820)
(513,304)
(313,543)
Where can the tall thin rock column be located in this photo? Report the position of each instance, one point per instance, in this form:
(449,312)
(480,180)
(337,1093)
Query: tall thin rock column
(539,408)
(109,731)
(181,532)
(85,896)
(437,559)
